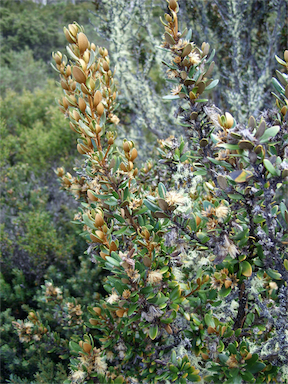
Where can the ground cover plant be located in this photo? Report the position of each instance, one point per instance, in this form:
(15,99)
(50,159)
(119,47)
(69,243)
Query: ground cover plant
(189,252)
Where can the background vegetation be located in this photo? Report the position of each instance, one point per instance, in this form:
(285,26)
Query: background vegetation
(40,248)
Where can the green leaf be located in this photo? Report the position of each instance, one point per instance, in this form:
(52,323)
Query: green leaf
(278,86)
(173,357)
(257,367)
(274,274)
(270,168)
(232,349)
(112,261)
(241,176)
(75,347)
(170,97)
(270,132)
(246,268)
(162,190)
(119,380)
(132,309)
(153,332)
(212,85)
(211,57)
(88,222)
(152,207)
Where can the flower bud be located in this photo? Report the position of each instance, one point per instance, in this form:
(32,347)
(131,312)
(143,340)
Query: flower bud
(68,36)
(105,66)
(82,42)
(173,5)
(68,70)
(82,104)
(99,220)
(86,56)
(97,98)
(83,64)
(86,347)
(73,29)
(100,109)
(134,154)
(126,146)
(76,115)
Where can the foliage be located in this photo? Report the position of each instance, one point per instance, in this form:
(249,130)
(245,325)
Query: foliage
(185,276)
(246,36)
(195,258)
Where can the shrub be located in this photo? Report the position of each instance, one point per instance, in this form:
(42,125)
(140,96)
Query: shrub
(193,247)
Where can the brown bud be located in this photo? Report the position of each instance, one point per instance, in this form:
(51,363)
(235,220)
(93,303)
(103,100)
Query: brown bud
(93,321)
(120,312)
(83,64)
(86,56)
(97,98)
(100,109)
(91,196)
(68,70)
(111,140)
(114,96)
(87,347)
(82,149)
(135,173)
(97,310)
(147,261)
(134,154)
(210,330)
(82,42)
(98,129)
(82,104)
(98,220)
(73,29)
(229,120)
(68,36)
(76,115)
(73,85)
(198,220)
(93,47)
(130,165)
(65,103)
(122,167)
(113,246)
(168,329)
(57,58)
(79,75)
(173,5)
(126,146)
(105,66)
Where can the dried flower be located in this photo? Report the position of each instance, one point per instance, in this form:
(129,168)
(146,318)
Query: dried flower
(221,211)
(78,377)
(175,91)
(232,362)
(194,58)
(173,197)
(126,294)
(113,298)
(154,277)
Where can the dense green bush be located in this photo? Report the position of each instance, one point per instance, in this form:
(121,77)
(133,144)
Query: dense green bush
(197,267)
